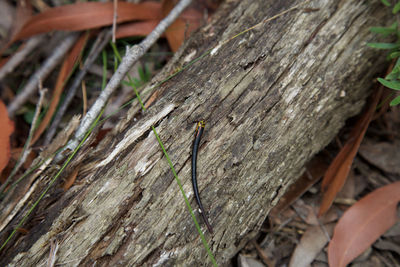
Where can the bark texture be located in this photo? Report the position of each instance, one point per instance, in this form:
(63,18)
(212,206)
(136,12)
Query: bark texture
(271,99)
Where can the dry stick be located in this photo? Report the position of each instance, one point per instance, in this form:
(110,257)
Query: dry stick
(263,255)
(114,25)
(27,150)
(20,56)
(42,73)
(102,40)
(84,98)
(134,53)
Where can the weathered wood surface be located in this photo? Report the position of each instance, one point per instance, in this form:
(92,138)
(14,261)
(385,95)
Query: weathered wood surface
(272,98)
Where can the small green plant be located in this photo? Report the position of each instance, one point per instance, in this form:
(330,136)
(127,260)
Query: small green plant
(392,80)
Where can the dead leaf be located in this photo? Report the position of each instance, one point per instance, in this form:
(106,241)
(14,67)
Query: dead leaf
(348,189)
(384,155)
(315,169)
(387,245)
(395,230)
(262,254)
(141,28)
(245,261)
(312,242)
(180,28)
(7,129)
(63,75)
(339,169)
(89,15)
(363,223)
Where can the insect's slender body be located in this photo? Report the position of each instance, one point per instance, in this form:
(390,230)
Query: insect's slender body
(198,134)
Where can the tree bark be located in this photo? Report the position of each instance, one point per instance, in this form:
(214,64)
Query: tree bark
(271,99)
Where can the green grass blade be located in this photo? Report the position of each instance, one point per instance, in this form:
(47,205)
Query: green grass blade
(116,52)
(186,199)
(104,81)
(137,94)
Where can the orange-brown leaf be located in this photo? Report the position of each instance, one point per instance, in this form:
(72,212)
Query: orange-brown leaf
(179,31)
(363,223)
(89,15)
(315,169)
(7,129)
(64,73)
(141,28)
(339,169)
(180,28)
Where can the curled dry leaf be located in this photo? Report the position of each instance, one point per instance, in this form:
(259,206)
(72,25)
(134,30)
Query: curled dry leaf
(383,155)
(141,28)
(7,129)
(246,261)
(337,173)
(89,15)
(66,69)
(315,169)
(312,242)
(363,223)
(180,28)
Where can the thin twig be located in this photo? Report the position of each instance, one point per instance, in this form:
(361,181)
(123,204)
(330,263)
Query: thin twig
(84,98)
(263,255)
(114,25)
(42,73)
(20,56)
(134,53)
(102,40)
(27,150)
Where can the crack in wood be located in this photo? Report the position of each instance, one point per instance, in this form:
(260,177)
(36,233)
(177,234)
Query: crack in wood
(134,133)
